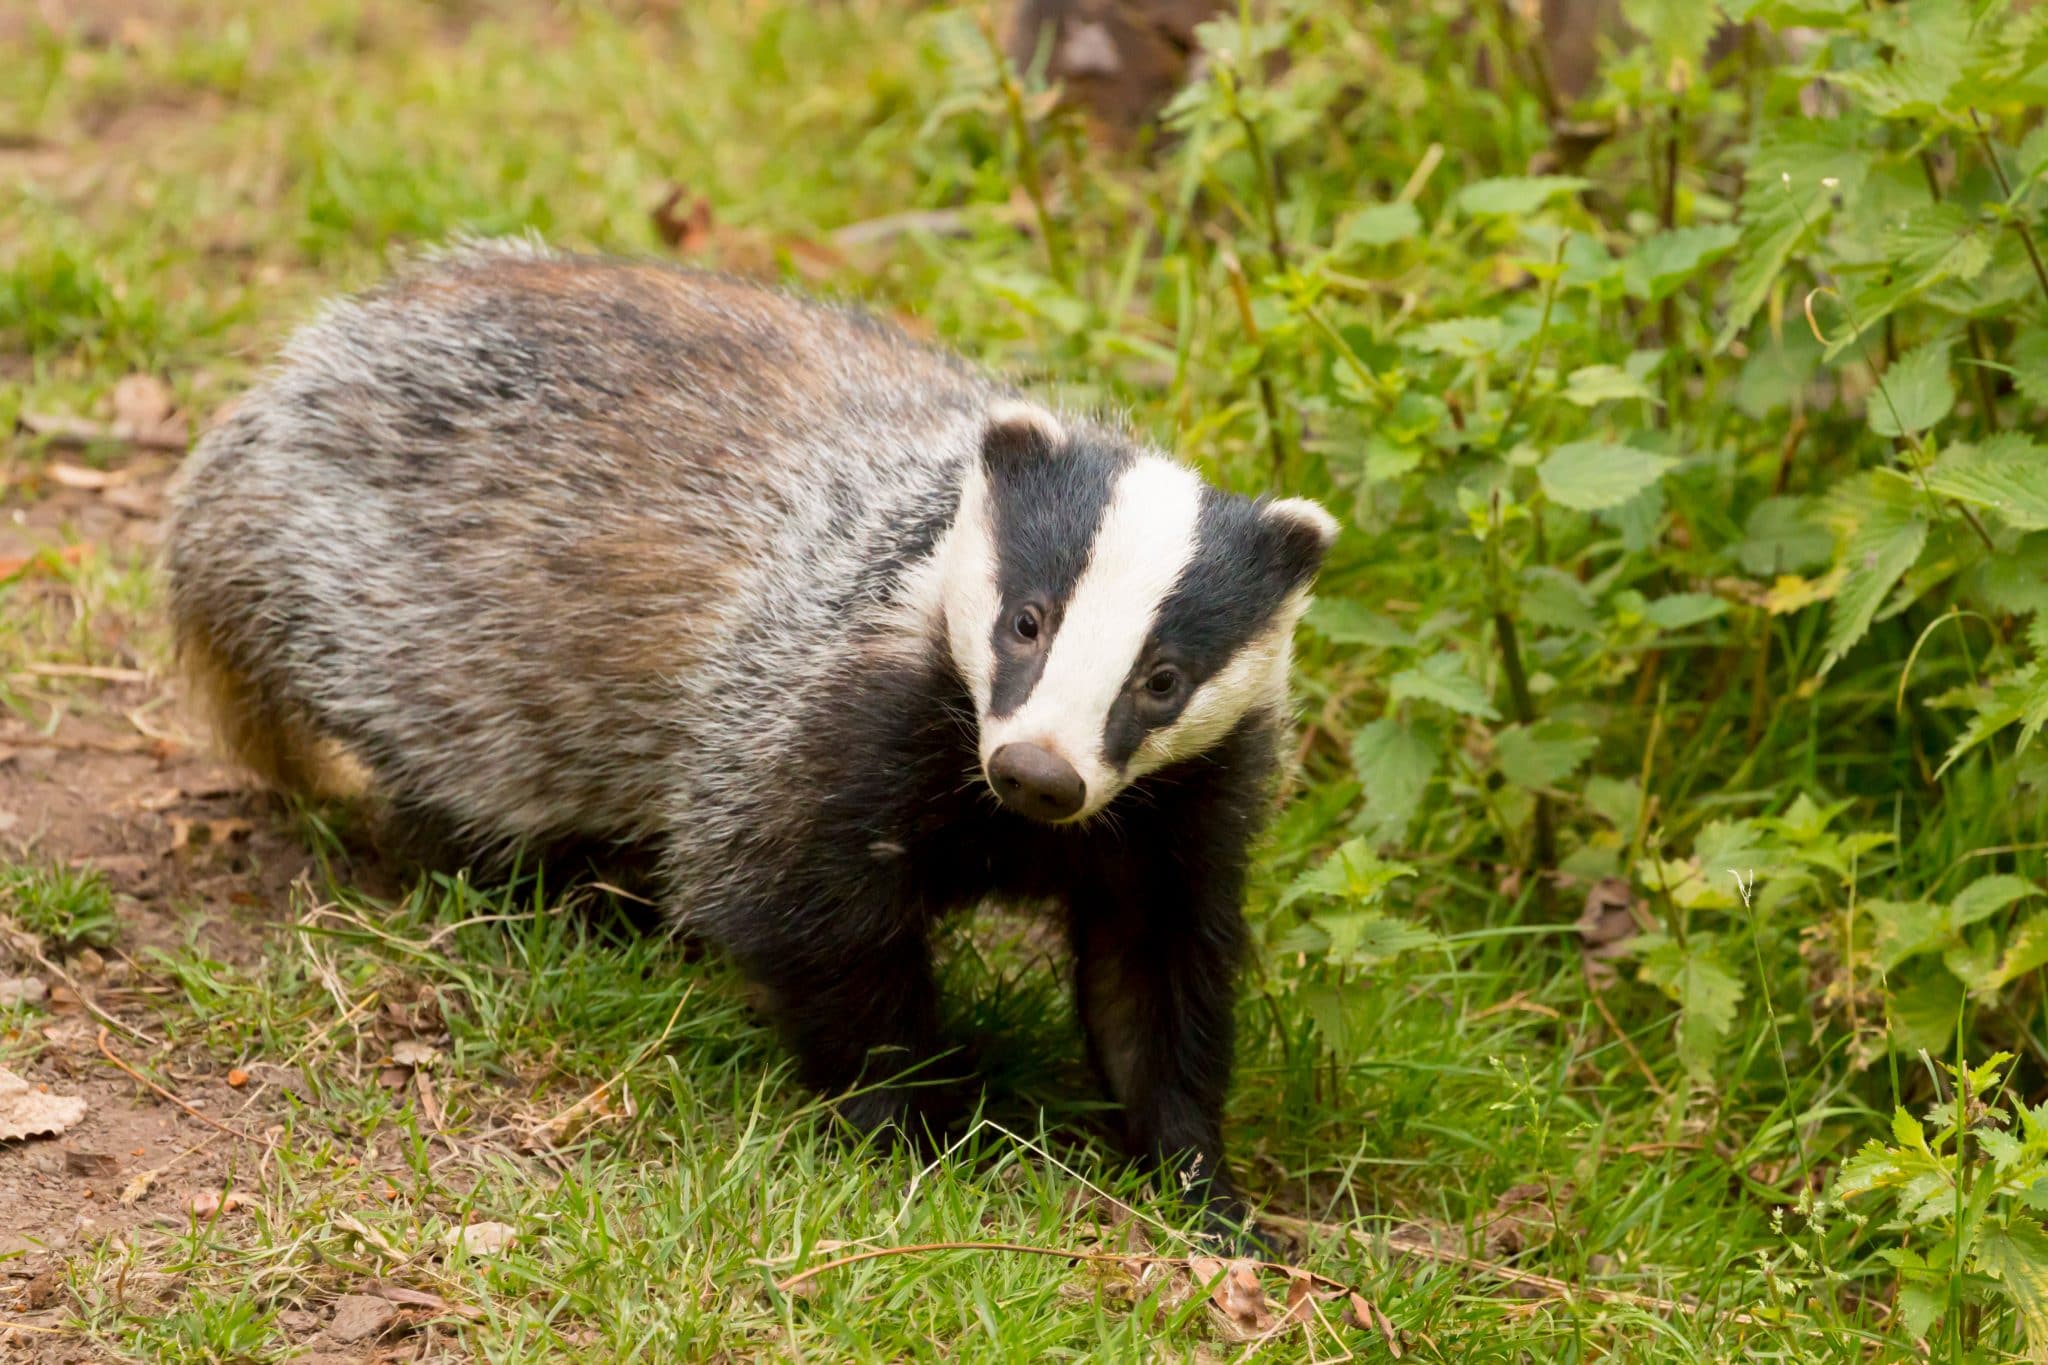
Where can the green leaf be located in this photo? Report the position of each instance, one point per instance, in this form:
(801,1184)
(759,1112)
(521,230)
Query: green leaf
(2007,473)
(2016,1255)
(1543,754)
(1707,993)
(1929,41)
(2029,360)
(1788,197)
(1920,1306)
(1781,537)
(1915,393)
(2016,698)
(1348,621)
(1974,962)
(1468,338)
(1380,225)
(1935,244)
(1592,476)
(1352,873)
(1617,800)
(1886,534)
(2026,950)
(1987,896)
(1679,30)
(1592,385)
(1923,1011)
(1395,763)
(1682,609)
(1516,194)
(1661,264)
(1324,1004)
(1367,937)
(1906,929)
(1443,680)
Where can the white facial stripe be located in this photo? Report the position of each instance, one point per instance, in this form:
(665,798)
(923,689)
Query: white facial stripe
(1146,538)
(964,562)
(1255,676)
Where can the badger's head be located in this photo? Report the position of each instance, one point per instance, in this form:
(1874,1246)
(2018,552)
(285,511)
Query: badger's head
(1111,613)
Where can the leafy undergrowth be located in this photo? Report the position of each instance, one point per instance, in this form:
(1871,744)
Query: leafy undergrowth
(1652,934)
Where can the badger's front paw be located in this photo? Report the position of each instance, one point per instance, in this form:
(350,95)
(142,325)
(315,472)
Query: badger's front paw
(921,1113)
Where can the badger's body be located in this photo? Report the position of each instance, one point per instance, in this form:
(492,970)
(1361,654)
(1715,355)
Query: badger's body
(564,549)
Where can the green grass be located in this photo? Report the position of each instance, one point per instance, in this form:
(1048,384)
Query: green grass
(70,907)
(1418,1050)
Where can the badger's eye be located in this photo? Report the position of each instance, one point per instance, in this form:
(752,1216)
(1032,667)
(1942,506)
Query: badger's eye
(1026,623)
(1163,683)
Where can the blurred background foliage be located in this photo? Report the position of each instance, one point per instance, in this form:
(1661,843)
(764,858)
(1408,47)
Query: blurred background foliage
(1676,682)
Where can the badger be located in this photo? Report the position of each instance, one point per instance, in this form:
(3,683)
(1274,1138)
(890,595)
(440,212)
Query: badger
(543,548)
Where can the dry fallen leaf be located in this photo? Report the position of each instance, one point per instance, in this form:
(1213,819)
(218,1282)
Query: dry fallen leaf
(28,1111)
(42,1291)
(1237,1295)
(78,476)
(358,1317)
(1522,1217)
(90,1163)
(414,1053)
(137,1186)
(683,221)
(1605,927)
(63,427)
(1301,1299)
(419,1298)
(206,1203)
(484,1239)
(146,413)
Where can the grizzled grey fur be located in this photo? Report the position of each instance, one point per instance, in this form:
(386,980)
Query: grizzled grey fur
(541,549)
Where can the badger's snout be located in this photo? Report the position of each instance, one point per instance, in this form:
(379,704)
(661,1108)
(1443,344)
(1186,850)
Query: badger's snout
(1033,780)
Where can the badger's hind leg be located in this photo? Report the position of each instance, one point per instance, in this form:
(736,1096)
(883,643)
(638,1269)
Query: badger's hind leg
(255,725)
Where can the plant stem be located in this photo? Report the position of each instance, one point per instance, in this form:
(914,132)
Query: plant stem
(2019,225)
(1269,400)
(1269,181)
(1531,56)
(1543,833)
(1535,344)
(1027,160)
(1667,315)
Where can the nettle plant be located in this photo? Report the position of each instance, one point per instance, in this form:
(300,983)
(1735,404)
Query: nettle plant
(1962,1185)
(1683,439)
(1902,219)
(1652,447)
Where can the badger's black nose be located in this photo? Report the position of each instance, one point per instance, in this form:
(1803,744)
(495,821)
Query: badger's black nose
(1033,780)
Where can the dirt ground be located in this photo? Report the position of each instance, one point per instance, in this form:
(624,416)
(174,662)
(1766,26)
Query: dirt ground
(112,778)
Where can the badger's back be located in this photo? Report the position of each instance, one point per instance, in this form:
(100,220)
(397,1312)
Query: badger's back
(488,527)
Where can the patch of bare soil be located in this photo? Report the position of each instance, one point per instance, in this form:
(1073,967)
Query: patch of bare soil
(107,777)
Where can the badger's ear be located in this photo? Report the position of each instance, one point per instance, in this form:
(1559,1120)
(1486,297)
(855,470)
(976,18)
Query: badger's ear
(1304,532)
(1019,433)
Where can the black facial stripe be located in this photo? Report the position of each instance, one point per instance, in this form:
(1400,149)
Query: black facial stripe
(1046,507)
(1245,565)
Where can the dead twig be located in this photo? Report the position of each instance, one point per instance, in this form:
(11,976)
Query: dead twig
(211,1122)
(1548,1285)
(92,1006)
(94,672)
